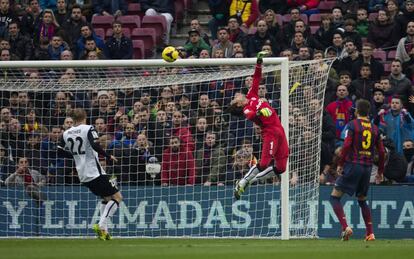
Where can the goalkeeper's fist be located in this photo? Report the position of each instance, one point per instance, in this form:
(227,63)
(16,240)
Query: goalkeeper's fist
(265,112)
(260,56)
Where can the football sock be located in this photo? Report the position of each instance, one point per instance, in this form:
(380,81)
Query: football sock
(102,208)
(339,211)
(366,214)
(249,176)
(263,175)
(109,211)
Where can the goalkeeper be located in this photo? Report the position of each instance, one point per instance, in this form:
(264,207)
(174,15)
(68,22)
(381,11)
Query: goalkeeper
(275,150)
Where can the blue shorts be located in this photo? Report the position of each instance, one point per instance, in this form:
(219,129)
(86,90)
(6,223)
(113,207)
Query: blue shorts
(354,179)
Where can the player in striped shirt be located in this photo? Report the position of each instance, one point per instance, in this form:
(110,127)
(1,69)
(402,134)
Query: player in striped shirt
(355,163)
(275,150)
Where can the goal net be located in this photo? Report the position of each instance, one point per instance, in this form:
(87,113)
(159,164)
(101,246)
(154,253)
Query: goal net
(179,152)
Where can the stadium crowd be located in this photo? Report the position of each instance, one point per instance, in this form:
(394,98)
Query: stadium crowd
(186,128)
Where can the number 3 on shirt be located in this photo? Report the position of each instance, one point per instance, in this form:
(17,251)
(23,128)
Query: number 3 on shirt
(366,142)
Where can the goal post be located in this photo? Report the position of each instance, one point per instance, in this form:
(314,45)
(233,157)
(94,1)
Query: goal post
(284,207)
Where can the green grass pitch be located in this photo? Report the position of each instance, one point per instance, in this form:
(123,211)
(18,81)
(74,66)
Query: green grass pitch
(204,248)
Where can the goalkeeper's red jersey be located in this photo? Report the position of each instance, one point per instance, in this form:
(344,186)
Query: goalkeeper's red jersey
(269,120)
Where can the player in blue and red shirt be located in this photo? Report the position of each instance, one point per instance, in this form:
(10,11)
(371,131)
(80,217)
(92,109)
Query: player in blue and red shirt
(355,164)
(275,150)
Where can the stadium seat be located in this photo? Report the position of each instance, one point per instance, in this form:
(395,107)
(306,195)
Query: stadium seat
(304,17)
(135,9)
(179,11)
(326,6)
(387,68)
(157,22)
(252,30)
(380,54)
(130,21)
(314,28)
(104,22)
(279,19)
(372,16)
(139,49)
(148,36)
(391,55)
(315,19)
(125,31)
(100,32)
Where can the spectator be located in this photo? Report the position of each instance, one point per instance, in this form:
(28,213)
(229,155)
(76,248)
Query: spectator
(246,11)
(261,37)
(380,31)
(304,54)
(160,7)
(162,132)
(236,35)
(85,5)
(348,7)
(181,130)
(68,123)
(48,4)
(362,22)
(199,132)
(31,19)
(325,32)
(104,110)
(298,42)
(20,45)
(7,165)
(307,7)
(402,20)
(72,27)
(289,28)
(408,150)
(178,165)
(361,88)
(393,9)
(109,7)
(351,55)
(377,103)
(351,33)
(90,45)
(223,42)
(47,28)
(66,55)
(377,68)
(121,124)
(59,109)
(337,45)
(219,10)
(118,46)
(397,124)
(196,44)
(6,17)
(277,6)
(31,179)
(88,34)
(310,41)
(405,45)
(341,109)
(127,137)
(56,47)
(32,150)
(272,24)
(61,12)
(195,25)
(337,18)
(32,124)
(224,138)
(210,162)
(51,164)
(242,161)
(401,85)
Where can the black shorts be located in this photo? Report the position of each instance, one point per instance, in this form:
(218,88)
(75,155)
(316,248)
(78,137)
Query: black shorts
(102,186)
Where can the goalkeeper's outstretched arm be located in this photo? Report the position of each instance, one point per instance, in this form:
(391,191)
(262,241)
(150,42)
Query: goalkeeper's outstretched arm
(257,76)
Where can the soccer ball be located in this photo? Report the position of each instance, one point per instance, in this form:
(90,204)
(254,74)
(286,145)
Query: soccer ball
(170,54)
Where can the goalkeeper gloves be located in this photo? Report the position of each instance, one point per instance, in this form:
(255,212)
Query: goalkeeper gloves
(260,56)
(265,112)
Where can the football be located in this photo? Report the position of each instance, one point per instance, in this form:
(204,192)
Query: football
(170,54)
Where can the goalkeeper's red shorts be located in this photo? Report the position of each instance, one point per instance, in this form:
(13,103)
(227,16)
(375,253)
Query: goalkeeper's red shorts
(275,147)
